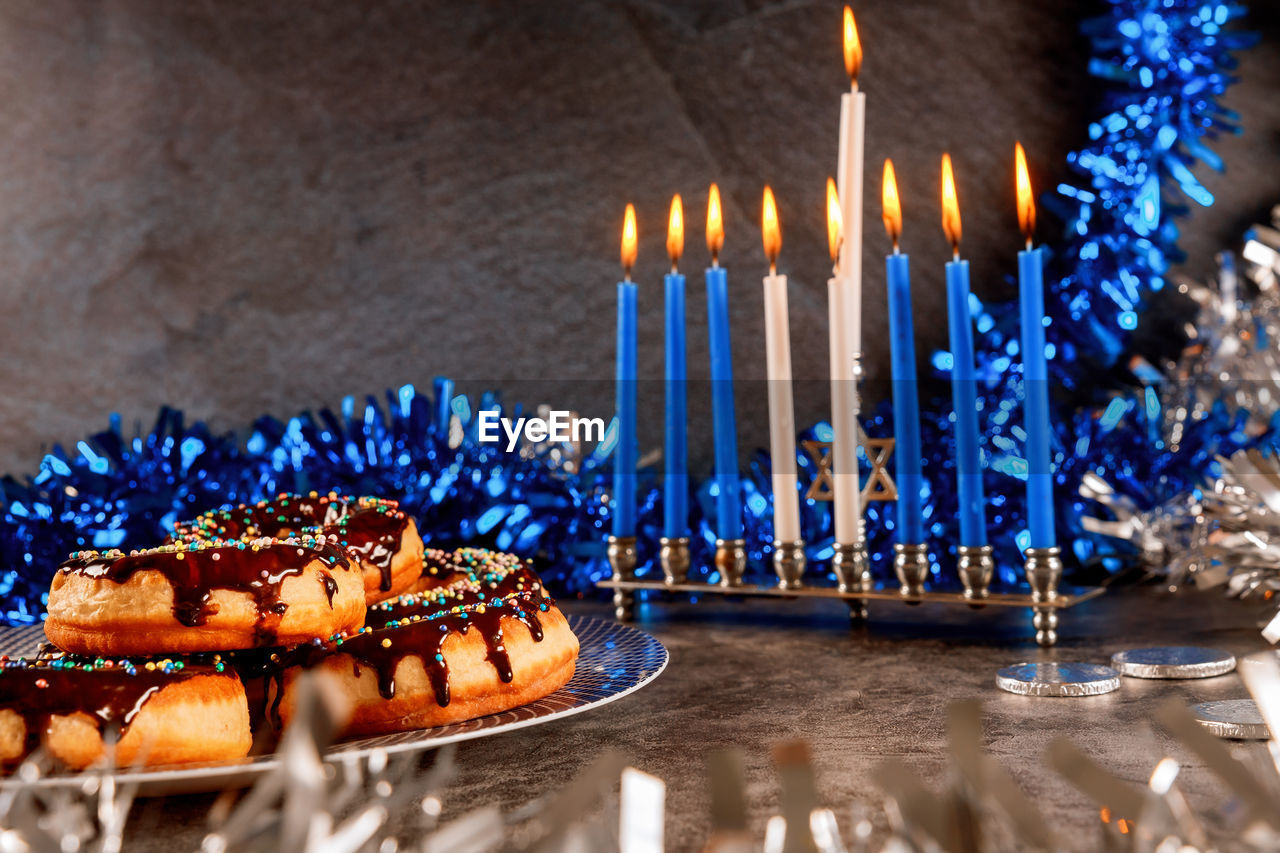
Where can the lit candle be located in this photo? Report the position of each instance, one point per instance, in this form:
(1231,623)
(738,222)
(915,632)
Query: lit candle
(624,458)
(964,385)
(1035,371)
(853,108)
(906,404)
(676,482)
(782,418)
(845,304)
(728,499)
(841,307)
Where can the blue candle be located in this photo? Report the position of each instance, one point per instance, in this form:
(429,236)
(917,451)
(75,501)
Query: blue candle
(728,498)
(964,385)
(675,515)
(1035,370)
(624,458)
(728,501)
(906,404)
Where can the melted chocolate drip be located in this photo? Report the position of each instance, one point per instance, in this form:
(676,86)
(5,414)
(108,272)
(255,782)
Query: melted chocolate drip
(112,697)
(373,538)
(262,672)
(371,533)
(425,639)
(330,587)
(195,574)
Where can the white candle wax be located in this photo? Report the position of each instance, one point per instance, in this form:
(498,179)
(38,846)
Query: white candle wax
(845,306)
(853,111)
(782,419)
(847,506)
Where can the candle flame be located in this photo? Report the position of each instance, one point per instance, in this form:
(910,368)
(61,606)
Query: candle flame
(1026,200)
(852,47)
(772,229)
(950,206)
(834,221)
(629,240)
(715,224)
(892,205)
(675,231)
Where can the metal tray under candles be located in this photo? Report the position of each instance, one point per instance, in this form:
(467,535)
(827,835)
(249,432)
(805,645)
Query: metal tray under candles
(1045,597)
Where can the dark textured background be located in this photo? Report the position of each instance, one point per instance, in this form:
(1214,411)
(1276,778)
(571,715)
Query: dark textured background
(241,207)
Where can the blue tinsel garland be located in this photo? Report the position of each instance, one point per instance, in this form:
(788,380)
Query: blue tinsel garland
(1165,63)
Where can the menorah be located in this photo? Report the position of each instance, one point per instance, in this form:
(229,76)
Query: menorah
(855,586)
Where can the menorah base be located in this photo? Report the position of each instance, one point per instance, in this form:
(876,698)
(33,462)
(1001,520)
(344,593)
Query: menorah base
(1044,609)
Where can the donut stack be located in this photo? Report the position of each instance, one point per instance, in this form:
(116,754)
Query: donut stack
(178,653)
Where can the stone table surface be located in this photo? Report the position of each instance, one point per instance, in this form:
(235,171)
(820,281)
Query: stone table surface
(751,673)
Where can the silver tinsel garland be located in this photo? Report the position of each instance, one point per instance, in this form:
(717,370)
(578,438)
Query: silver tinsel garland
(1226,533)
(1232,359)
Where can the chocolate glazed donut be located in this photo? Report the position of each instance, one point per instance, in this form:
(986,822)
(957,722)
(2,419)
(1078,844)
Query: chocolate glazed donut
(490,641)
(204,597)
(376,534)
(164,712)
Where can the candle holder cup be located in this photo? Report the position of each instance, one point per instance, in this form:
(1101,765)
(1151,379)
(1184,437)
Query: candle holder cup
(1044,570)
(853,573)
(975,565)
(673,556)
(788,562)
(731,561)
(911,565)
(622,559)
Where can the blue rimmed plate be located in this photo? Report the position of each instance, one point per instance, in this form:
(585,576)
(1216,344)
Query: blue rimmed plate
(613,660)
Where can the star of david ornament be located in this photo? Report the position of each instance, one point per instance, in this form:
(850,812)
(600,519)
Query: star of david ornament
(879,485)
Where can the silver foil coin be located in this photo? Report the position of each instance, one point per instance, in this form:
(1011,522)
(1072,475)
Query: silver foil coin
(1237,719)
(1173,662)
(1058,679)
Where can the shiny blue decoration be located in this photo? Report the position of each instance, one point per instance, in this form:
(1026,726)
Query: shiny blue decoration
(1165,64)
(119,490)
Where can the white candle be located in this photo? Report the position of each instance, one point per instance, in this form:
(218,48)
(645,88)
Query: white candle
(853,112)
(844,294)
(782,418)
(847,505)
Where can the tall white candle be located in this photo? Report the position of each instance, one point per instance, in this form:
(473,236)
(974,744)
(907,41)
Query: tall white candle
(844,414)
(782,418)
(844,293)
